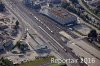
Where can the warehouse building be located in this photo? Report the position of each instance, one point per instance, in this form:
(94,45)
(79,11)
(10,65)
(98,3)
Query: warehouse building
(62,16)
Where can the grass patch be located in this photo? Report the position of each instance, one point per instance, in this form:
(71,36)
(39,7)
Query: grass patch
(56,65)
(37,61)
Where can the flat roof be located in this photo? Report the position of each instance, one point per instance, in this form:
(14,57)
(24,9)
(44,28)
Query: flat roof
(62,13)
(62,16)
(40,47)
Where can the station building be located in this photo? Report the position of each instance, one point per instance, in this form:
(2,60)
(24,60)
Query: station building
(62,16)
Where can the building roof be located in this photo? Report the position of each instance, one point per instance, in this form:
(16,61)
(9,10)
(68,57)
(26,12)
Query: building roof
(41,47)
(63,14)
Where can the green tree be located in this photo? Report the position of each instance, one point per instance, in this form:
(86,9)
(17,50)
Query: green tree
(65,4)
(74,1)
(51,5)
(7,62)
(17,23)
(18,44)
(92,35)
